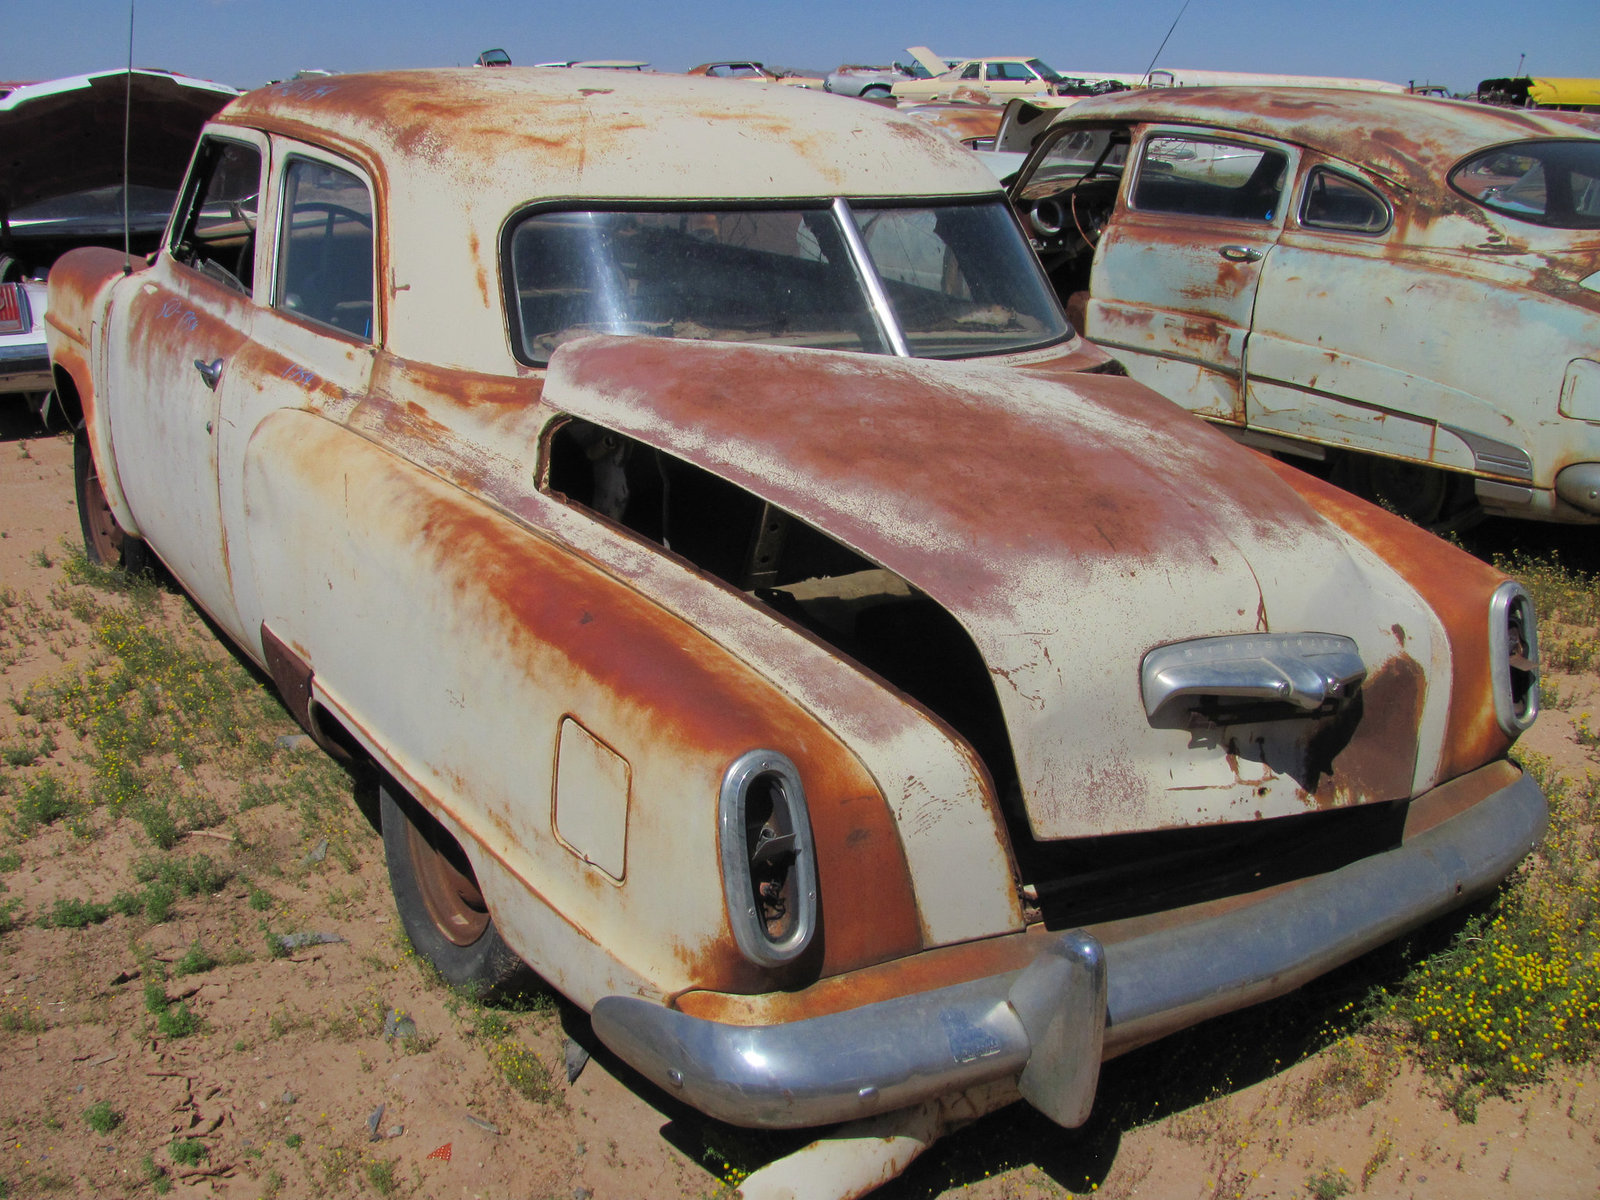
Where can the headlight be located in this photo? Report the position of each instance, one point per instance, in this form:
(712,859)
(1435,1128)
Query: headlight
(769,867)
(1514,657)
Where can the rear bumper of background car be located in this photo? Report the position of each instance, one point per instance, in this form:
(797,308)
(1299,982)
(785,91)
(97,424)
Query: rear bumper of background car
(1087,995)
(24,367)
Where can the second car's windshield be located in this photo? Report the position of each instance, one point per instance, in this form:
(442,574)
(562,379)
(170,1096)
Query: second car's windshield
(941,280)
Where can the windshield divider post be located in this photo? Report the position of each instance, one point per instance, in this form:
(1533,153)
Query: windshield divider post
(882,311)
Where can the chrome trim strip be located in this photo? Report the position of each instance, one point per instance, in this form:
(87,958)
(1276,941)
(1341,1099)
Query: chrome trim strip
(911,1048)
(1303,669)
(1502,493)
(882,310)
(1500,458)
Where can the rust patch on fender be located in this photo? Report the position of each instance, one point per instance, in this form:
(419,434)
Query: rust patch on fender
(1451,582)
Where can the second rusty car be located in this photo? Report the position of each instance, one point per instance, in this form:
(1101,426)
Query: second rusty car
(768,618)
(1403,288)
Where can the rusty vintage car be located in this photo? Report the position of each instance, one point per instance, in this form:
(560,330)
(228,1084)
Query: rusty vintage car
(768,619)
(1404,289)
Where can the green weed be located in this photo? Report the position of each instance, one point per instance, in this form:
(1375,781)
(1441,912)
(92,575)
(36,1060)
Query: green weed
(72,913)
(45,799)
(188,1152)
(101,1117)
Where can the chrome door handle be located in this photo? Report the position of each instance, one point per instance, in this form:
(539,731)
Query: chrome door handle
(209,371)
(1240,254)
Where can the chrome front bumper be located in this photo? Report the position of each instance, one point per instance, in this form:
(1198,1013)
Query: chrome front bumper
(1049,1025)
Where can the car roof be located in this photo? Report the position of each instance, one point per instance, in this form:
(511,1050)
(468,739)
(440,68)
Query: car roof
(520,134)
(1406,138)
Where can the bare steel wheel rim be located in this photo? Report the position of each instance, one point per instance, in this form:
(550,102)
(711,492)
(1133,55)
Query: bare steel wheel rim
(103,528)
(449,892)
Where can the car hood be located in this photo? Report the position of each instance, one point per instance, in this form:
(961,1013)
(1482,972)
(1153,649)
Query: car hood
(1070,529)
(65,136)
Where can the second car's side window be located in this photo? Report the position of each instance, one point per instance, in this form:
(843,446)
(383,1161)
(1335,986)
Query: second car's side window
(218,234)
(1205,178)
(325,247)
(1334,201)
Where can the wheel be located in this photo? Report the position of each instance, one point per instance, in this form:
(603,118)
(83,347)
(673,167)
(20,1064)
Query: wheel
(440,903)
(103,539)
(875,92)
(1440,501)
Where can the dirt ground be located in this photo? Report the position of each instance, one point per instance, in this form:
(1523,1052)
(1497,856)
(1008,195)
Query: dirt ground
(342,1068)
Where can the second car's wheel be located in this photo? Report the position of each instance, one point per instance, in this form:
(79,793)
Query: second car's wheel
(440,903)
(103,539)
(1440,501)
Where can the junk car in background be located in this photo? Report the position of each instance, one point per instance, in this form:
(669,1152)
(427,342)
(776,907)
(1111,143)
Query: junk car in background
(61,185)
(769,620)
(1407,289)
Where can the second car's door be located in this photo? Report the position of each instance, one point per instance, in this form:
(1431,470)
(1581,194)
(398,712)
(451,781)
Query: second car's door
(1175,275)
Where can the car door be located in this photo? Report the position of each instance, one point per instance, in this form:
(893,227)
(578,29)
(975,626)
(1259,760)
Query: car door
(168,354)
(1338,353)
(1176,271)
(312,345)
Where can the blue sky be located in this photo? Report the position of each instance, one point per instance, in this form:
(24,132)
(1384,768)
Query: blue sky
(248,42)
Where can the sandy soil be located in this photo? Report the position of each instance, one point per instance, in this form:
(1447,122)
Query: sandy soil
(300,1081)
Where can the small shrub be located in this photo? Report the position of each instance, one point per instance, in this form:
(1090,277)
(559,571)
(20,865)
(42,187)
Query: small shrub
(155,1176)
(177,1021)
(154,814)
(522,1069)
(157,900)
(188,1152)
(101,1117)
(1328,1184)
(293,1141)
(71,913)
(196,961)
(381,1175)
(44,800)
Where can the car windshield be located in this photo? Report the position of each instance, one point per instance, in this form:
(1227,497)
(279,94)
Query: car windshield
(1044,70)
(956,279)
(1554,183)
(1083,152)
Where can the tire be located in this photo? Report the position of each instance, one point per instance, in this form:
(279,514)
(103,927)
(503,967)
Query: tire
(440,903)
(875,92)
(1439,501)
(104,541)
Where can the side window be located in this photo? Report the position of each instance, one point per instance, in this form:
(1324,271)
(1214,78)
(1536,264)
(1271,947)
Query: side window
(217,236)
(1205,178)
(972,71)
(325,247)
(1335,201)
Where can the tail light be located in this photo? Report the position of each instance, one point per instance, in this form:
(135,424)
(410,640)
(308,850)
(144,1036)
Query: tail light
(15,314)
(769,867)
(1514,657)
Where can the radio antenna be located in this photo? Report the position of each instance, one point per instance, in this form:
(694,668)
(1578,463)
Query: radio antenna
(1159,48)
(127,135)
